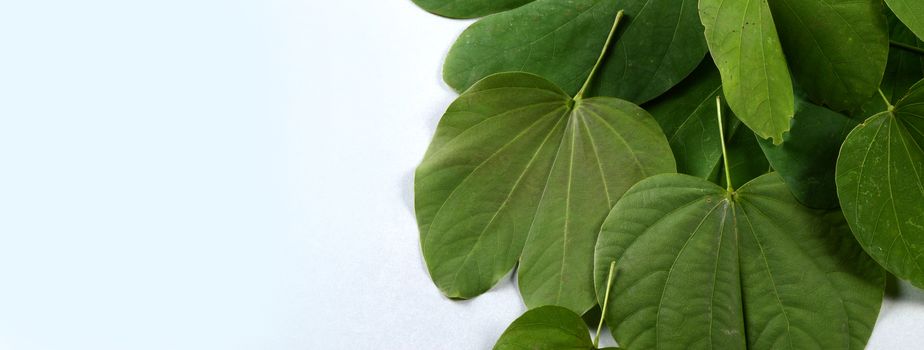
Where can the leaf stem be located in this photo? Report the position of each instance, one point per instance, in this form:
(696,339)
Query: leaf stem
(886,100)
(606,46)
(718,104)
(906,47)
(606,300)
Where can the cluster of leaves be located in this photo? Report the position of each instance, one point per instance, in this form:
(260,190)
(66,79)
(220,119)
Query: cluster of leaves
(750,166)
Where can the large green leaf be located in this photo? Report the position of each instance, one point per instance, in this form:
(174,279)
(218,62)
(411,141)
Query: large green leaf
(743,41)
(687,116)
(516,157)
(546,328)
(911,12)
(806,159)
(702,268)
(468,8)
(837,48)
(880,182)
(560,40)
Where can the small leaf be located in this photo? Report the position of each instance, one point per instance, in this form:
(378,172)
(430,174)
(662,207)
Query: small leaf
(546,328)
(837,48)
(806,159)
(911,12)
(560,40)
(700,267)
(880,182)
(516,157)
(468,8)
(743,41)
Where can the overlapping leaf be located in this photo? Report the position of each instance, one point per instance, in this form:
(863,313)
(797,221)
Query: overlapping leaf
(700,267)
(559,40)
(547,328)
(468,8)
(837,49)
(911,12)
(743,40)
(519,171)
(806,159)
(880,182)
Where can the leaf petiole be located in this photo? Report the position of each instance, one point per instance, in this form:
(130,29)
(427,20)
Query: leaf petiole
(606,300)
(606,46)
(718,104)
(886,100)
(906,47)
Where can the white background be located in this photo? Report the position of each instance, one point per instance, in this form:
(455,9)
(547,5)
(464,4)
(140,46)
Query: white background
(232,174)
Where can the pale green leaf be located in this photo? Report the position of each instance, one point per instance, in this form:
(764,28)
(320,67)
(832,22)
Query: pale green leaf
(516,157)
(743,41)
(702,268)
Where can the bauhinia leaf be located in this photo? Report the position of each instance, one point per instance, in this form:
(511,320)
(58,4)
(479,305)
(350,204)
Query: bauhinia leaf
(516,157)
(704,268)
(911,12)
(837,48)
(904,69)
(743,41)
(806,159)
(559,40)
(546,328)
(468,8)
(880,182)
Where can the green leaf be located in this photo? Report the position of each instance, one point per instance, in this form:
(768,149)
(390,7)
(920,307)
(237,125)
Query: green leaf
(911,12)
(881,186)
(806,159)
(516,157)
(468,8)
(743,41)
(838,48)
(560,41)
(687,116)
(904,69)
(700,267)
(546,328)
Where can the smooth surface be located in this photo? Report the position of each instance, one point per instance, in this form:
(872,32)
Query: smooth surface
(207,174)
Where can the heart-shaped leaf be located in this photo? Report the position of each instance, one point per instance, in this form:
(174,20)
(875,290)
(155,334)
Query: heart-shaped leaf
(911,12)
(468,8)
(880,182)
(837,48)
(808,154)
(704,267)
(559,40)
(516,157)
(743,41)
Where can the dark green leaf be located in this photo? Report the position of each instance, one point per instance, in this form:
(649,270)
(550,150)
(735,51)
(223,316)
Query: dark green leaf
(701,268)
(911,12)
(546,328)
(516,157)
(807,157)
(687,114)
(837,48)
(881,186)
(743,41)
(660,44)
(468,8)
